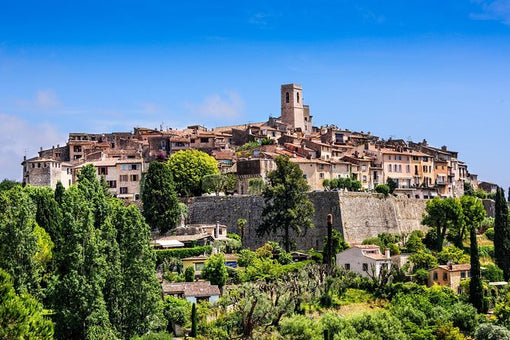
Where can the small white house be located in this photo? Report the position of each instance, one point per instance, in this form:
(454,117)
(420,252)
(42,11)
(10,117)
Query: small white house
(366,260)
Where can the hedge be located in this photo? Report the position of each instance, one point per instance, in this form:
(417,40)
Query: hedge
(162,254)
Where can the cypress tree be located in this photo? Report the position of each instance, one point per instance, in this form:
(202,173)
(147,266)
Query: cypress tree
(160,205)
(194,320)
(475,284)
(502,234)
(59,192)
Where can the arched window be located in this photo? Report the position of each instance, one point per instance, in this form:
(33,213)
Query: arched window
(286,97)
(298,97)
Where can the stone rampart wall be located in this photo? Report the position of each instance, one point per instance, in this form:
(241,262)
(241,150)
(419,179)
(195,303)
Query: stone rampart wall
(357,215)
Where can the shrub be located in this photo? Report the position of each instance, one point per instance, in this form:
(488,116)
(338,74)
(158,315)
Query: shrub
(189,274)
(490,234)
(489,331)
(383,189)
(422,276)
(492,273)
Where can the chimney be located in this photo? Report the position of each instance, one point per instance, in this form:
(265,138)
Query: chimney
(444,148)
(450,265)
(387,253)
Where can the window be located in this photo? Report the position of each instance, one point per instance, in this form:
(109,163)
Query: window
(389,167)
(77,149)
(363,167)
(297,96)
(321,175)
(321,166)
(123,178)
(415,158)
(365,267)
(408,168)
(287,97)
(112,184)
(445,276)
(124,167)
(347,266)
(134,178)
(133,167)
(102,170)
(304,176)
(204,140)
(123,190)
(462,275)
(435,276)
(199,266)
(364,178)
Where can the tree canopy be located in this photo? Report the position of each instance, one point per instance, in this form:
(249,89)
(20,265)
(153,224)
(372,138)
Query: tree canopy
(287,207)
(160,204)
(443,215)
(188,168)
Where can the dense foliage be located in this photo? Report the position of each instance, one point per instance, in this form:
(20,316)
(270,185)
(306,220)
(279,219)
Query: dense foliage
(160,205)
(287,207)
(189,168)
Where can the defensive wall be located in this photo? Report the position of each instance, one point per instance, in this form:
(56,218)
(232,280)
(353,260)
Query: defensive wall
(356,215)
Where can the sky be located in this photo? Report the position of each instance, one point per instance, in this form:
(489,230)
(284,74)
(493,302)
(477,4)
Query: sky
(435,70)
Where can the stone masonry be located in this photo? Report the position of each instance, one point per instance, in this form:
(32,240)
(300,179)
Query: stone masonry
(356,215)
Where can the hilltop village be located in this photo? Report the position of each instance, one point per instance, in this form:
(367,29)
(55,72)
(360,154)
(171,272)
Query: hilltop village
(326,152)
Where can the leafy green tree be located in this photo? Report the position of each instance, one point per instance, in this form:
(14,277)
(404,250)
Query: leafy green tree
(443,215)
(326,184)
(502,234)
(77,290)
(492,273)
(414,242)
(21,316)
(287,206)
(160,204)
(489,331)
(423,260)
(189,274)
(8,184)
(392,184)
(19,245)
(140,309)
(256,186)
(213,183)
(188,168)
(48,213)
(177,312)
(215,270)
(468,189)
(452,253)
(383,189)
(219,183)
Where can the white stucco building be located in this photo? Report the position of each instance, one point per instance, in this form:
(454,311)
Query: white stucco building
(366,260)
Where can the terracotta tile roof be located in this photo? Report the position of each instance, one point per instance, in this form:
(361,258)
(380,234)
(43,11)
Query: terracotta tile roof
(197,289)
(456,267)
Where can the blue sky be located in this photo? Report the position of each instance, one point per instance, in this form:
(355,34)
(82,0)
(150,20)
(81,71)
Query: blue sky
(438,70)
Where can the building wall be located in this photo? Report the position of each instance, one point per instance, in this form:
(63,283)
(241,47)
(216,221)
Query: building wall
(355,259)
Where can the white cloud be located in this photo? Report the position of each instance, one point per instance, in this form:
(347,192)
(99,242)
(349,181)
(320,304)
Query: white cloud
(19,137)
(231,105)
(493,10)
(259,19)
(47,99)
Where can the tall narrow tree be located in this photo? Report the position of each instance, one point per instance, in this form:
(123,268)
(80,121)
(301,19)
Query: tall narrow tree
(473,214)
(502,234)
(160,203)
(287,206)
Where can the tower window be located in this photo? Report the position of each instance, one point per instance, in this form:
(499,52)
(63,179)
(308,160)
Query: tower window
(286,97)
(297,97)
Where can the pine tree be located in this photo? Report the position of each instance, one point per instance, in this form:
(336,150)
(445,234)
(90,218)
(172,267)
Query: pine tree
(502,234)
(287,205)
(160,205)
